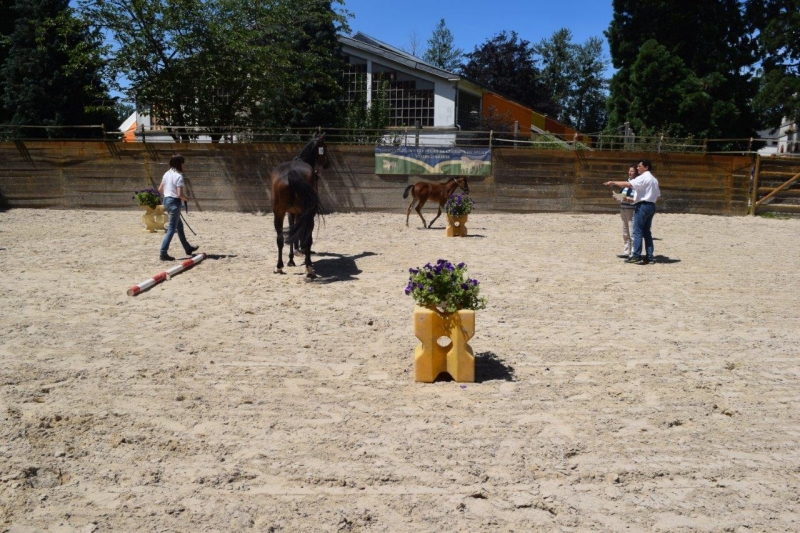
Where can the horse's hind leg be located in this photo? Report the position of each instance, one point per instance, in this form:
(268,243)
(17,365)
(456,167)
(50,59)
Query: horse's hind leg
(310,274)
(408,213)
(292,245)
(279,230)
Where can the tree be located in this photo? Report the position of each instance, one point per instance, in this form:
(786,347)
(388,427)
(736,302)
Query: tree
(505,64)
(777,25)
(275,63)
(414,47)
(706,40)
(586,106)
(441,52)
(52,74)
(558,69)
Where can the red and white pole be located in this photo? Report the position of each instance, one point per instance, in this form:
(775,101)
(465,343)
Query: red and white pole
(167,274)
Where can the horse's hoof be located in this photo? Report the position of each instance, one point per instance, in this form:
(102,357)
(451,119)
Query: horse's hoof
(290,263)
(279,271)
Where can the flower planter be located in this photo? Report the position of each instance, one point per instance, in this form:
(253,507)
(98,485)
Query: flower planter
(456,358)
(154,219)
(456,226)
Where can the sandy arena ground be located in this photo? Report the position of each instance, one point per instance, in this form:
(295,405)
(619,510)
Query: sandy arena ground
(609,396)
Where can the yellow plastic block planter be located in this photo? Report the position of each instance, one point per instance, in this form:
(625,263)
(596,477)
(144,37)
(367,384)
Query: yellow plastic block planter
(431,359)
(457,226)
(154,219)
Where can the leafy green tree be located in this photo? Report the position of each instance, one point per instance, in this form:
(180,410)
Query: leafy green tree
(557,57)
(586,105)
(441,52)
(8,17)
(777,25)
(505,64)
(706,40)
(52,74)
(274,63)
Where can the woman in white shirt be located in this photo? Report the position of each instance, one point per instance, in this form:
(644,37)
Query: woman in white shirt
(172,190)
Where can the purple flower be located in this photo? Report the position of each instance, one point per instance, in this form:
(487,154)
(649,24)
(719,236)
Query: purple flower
(464,286)
(461,265)
(430,289)
(429,275)
(413,270)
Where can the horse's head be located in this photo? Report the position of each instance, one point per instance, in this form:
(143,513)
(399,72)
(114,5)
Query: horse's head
(461,181)
(315,152)
(321,150)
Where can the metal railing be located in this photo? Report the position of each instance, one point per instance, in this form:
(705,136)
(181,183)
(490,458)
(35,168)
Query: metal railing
(410,136)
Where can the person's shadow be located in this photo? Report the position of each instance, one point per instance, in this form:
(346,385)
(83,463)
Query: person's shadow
(665,260)
(337,267)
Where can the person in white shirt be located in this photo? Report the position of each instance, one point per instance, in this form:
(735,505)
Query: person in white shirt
(645,193)
(172,190)
(626,210)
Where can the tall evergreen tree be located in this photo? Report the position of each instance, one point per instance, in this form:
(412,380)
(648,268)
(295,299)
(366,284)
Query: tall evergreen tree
(8,17)
(709,39)
(505,64)
(777,25)
(441,52)
(52,74)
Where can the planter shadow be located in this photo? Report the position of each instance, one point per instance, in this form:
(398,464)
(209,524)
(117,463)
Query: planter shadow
(489,367)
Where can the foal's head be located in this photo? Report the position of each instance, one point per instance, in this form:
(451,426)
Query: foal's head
(461,181)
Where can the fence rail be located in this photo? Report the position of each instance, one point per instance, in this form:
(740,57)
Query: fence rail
(532,140)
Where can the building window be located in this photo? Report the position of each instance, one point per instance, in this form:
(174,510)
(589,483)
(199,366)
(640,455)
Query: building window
(469,111)
(410,99)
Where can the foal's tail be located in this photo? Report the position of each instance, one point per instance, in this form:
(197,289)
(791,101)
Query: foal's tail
(405,193)
(304,223)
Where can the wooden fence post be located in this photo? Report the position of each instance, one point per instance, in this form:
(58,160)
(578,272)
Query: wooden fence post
(754,194)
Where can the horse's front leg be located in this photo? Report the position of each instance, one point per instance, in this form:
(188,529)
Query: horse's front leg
(279,230)
(291,244)
(419,212)
(310,274)
(437,216)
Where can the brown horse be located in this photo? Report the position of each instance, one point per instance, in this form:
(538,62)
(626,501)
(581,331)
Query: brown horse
(294,191)
(438,192)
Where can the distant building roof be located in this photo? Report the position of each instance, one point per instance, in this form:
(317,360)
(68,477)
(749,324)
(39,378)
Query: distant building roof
(366,43)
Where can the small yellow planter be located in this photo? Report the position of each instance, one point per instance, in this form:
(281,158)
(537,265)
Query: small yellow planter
(430,358)
(154,219)
(457,226)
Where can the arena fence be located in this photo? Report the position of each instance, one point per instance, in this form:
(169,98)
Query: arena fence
(776,186)
(235,177)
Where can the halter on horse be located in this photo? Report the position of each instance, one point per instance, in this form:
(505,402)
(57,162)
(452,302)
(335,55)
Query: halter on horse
(423,191)
(294,191)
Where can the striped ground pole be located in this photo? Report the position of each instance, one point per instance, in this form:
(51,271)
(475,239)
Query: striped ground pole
(167,274)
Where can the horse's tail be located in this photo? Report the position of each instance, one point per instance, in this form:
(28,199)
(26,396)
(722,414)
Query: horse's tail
(405,193)
(304,223)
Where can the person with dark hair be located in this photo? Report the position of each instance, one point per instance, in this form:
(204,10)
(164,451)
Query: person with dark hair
(645,193)
(172,189)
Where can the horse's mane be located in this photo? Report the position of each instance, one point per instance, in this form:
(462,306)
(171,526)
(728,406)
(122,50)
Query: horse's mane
(307,153)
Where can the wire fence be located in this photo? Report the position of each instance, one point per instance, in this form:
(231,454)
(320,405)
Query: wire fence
(532,140)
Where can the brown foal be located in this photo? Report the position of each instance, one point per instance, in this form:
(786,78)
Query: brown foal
(438,192)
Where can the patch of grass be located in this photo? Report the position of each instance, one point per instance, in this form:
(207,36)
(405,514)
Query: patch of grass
(779,216)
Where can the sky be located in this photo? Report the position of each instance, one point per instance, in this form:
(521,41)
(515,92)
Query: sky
(473,22)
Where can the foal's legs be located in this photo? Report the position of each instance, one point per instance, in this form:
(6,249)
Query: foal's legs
(437,216)
(278,220)
(310,274)
(419,211)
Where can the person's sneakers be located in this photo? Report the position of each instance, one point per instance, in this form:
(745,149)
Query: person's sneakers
(651,259)
(166,257)
(635,260)
(623,256)
(191,250)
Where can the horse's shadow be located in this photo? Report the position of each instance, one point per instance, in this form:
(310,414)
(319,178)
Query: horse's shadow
(338,267)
